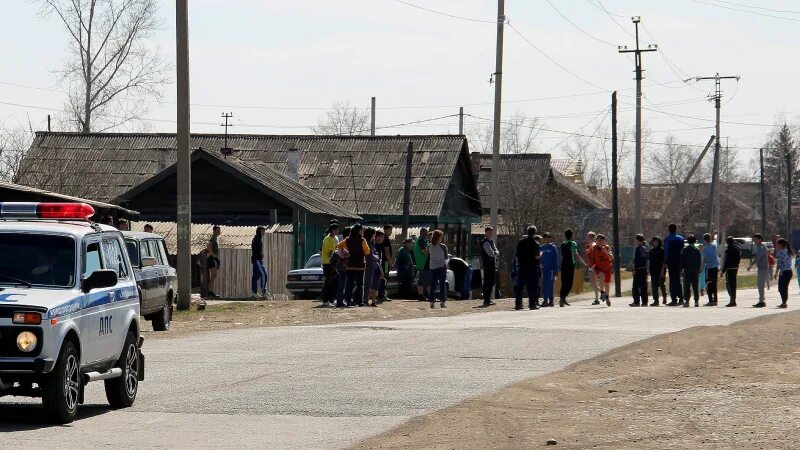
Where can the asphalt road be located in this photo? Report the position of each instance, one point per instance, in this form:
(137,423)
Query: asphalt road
(330,386)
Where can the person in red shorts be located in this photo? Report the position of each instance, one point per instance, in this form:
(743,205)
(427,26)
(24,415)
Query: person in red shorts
(600,262)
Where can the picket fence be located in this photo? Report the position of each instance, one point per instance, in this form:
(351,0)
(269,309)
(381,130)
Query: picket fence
(236,271)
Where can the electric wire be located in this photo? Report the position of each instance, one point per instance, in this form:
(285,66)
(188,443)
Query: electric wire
(452,16)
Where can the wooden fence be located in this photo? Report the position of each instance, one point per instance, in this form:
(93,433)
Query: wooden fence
(234,278)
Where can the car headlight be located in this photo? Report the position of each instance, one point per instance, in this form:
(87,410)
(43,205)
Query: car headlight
(26,341)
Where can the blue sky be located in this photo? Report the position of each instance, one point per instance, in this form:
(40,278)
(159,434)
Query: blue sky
(249,57)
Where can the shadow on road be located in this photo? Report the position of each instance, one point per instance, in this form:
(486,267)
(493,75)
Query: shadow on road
(29,417)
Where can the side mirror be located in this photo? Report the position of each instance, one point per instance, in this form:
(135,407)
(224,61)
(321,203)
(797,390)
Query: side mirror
(148,261)
(99,279)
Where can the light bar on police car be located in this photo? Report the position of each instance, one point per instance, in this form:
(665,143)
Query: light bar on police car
(36,210)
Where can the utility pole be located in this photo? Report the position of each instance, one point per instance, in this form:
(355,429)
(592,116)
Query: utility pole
(226,150)
(407,188)
(763,195)
(637,187)
(789,195)
(372,118)
(713,210)
(184,213)
(614,197)
(460,120)
(498,92)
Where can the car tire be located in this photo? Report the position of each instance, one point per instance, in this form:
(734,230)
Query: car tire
(121,391)
(163,318)
(61,388)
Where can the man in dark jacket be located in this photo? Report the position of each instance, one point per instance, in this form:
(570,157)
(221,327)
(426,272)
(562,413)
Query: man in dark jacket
(730,268)
(527,258)
(257,258)
(691,260)
(639,289)
(673,246)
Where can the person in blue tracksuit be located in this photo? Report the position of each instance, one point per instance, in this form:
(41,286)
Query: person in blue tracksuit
(550,266)
(673,246)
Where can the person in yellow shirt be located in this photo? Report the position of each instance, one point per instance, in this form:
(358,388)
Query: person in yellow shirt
(328,271)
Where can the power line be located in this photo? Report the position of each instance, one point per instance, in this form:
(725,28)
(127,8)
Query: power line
(574,25)
(452,16)
(599,124)
(747,11)
(787,11)
(549,58)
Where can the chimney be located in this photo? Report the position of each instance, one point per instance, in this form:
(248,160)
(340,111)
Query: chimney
(293,164)
(475,160)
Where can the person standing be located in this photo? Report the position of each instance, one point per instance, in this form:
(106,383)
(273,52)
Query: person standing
(784,254)
(489,254)
(639,289)
(387,260)
(655,261)
(673,246)
(405,268)
(258,283)
(341,269)
(710,265)
(760,260)
(600,260)
(588,244)
(357,250)
(691,261)
(437,264)
(213,259)
(372,271)
(328,269)
(526,259)
(569,259)
(730,268)
(550,265)
(420,258)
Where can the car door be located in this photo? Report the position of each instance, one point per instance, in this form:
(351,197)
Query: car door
(159,275)
(149,282)
(112,323)
(93,304)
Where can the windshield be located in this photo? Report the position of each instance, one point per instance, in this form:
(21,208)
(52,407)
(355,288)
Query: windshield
(37,259)
(313,262)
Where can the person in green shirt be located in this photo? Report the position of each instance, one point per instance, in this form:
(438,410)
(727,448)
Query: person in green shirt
(569,259)
(328,272)
(420,258)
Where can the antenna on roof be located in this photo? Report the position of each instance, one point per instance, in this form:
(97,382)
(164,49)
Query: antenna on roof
(226,151)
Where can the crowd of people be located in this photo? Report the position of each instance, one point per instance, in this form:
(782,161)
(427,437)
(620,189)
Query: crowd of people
(693,268)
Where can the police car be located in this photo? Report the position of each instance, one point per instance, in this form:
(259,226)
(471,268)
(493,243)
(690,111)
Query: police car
(69,308)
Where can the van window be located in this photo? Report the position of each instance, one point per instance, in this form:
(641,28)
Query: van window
(113,257)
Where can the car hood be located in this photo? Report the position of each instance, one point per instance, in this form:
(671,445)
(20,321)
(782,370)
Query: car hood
(47,298)
(60,302)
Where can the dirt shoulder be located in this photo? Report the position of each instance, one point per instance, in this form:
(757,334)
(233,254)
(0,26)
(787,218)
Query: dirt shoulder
(233,314)
(706,387)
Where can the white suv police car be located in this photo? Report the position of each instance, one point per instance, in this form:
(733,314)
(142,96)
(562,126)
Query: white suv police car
(69,308)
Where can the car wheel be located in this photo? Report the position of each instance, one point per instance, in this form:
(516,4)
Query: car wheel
(61,387)
(162,319)
(121,391)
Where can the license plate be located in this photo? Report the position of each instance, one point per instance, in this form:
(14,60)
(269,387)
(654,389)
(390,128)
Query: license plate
(309,277)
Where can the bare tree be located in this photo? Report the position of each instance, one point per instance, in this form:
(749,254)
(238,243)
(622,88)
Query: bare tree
(14,144)
(671,162)
(519,134)
(343,120)
(110,68)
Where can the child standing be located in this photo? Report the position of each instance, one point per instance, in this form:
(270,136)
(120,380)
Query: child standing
(405,268)
(639,290)
(600,259)
(710,266)
(550,268)
(784,272)
(437,264)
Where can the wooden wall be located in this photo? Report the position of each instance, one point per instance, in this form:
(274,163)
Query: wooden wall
(236,272)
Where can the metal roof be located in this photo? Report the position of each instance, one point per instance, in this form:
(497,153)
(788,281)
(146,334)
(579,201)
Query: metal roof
(272,182)
(109,164)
